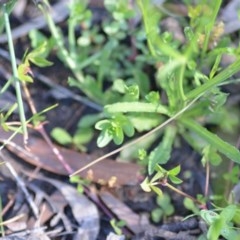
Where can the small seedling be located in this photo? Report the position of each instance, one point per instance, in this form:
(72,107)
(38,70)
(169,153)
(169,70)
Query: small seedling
(117,226)
(81,183)
(81,137)
(221,224)
(164,209)
(162,178)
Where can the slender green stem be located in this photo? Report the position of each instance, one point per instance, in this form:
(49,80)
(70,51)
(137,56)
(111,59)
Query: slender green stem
(60,44)
(147,30)
(71,33)
(59,40)
(182,193)
(15,74)
(1,219)
(7,85)
(71,38)
(154,40)
(209,28)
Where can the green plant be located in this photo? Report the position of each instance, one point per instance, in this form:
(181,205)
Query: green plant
(222,223)
(133,102)
(162,177)
(164,209)
(6,9)
(22,73)
(78,140)
(176,63)
(81,183)
(85,53)
(182,93)
(117,226)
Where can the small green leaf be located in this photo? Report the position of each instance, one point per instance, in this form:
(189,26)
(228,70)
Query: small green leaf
(124,107)
(175,171)
(80,188)
(157,190)
(112,28)
(119,86)
(165,203)
(169,210)
(115,226)
(40,51)
(228,213)
(82,136)
(163,200)
(229,234)
(40,61)
(156,215)
(38,56)
(121,223)
(215,158)
(189,204)
(37,38)
(161,154)
(103,124)
(23,71)
(118,135)
(142,154)
(61,136)
(214,230)
(223,147)
(153,97)
(209,216)
(89,120)
(104,138)
(215,67)
(132,93)
(175,180)
(145,185)
(145,122)
(74,179)
(128,129)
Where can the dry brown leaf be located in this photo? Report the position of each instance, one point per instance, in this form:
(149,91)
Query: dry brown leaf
(40,155)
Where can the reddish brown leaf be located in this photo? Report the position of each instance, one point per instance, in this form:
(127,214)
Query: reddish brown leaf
(39,154)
